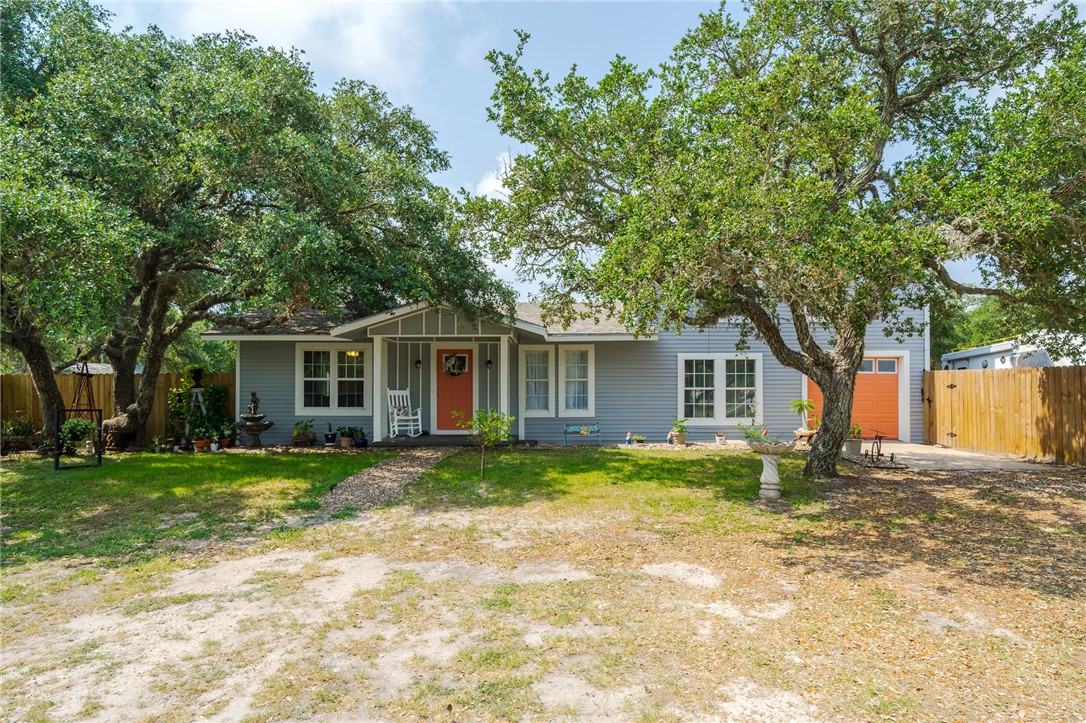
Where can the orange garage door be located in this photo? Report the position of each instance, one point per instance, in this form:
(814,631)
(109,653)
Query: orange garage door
(874,406)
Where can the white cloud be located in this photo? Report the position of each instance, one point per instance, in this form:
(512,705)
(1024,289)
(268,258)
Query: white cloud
(384,43)
(490,185)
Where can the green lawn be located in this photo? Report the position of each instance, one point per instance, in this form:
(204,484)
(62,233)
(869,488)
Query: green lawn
(135,504)
(641,480)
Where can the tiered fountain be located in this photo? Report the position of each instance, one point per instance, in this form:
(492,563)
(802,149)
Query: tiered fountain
(254,422)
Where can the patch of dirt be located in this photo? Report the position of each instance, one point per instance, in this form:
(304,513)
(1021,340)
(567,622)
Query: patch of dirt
(562,692)
(746,701)
(685,573)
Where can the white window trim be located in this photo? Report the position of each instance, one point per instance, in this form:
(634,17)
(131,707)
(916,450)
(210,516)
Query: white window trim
(524,411)
(301,410)
(719,420)
(561,361)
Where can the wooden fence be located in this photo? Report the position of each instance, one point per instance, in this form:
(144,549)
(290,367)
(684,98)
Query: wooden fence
(19,398)
(1033,413)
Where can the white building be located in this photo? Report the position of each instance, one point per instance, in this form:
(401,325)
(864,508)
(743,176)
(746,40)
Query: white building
(1007,354)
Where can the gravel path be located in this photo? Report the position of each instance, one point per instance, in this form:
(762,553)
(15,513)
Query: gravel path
(384,481)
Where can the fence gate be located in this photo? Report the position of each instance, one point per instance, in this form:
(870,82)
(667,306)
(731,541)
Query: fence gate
(1033,413)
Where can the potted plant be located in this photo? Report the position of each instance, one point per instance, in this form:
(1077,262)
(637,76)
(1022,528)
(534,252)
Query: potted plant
(201,437)
(346,437)
(360,440)
(18,433)
(678,431)
(226,435)
(156,444)
(639,439)
(301,436)
(329,436)
(48,444)
(721,438)
(73,431)
(854,441)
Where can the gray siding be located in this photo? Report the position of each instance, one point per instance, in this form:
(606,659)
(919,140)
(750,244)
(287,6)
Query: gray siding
(637,386)
(267,368)
(636,382)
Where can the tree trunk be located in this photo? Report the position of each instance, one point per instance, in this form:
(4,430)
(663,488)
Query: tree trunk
(837,391)
(132,403)
(41,371)
(23,335)
(482,463)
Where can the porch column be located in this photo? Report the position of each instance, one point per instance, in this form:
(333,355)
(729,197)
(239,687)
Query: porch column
(503,380)
(378,388)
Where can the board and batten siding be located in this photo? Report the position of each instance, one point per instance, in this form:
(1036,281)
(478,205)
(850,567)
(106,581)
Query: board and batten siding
(637,386)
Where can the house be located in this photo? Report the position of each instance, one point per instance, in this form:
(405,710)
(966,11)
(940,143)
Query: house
(338,371)
(1004,354)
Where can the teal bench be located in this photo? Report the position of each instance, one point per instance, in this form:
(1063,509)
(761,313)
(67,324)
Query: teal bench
(585,429)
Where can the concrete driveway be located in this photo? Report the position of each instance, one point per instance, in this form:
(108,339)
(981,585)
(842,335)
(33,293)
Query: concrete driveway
(929,457)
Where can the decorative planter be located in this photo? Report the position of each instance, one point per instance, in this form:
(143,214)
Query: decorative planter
(214,446)
(680,437)
(721,438)
(226,442)
(771,451)
(346,442)
(853,447)
(330,438)
(202,445)
(362,442)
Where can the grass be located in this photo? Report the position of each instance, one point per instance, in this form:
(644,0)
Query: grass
(135,504)
(652,482)
(443,605)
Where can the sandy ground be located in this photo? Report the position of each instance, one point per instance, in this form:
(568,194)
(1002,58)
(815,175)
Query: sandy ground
(527,614)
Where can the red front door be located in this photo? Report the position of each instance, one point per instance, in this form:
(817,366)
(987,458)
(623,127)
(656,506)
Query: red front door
(455,368)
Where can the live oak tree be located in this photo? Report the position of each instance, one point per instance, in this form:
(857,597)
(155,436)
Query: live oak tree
(218,185)
(749,178)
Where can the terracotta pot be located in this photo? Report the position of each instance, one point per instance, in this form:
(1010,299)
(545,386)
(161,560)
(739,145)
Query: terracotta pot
(202,445)
(346,442)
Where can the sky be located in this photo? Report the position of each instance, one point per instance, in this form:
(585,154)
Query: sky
(431,55)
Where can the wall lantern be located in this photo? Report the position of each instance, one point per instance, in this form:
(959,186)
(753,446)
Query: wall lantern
(489,364)
(418,363)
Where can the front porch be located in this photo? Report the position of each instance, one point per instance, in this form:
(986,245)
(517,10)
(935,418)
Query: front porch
(446,365)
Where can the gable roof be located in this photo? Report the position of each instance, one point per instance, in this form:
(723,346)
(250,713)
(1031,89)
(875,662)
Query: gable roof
(310,323)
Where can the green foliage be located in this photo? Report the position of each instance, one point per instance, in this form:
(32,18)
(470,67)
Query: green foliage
(303,427)
(752,432)
(678,426)
(18,426)
(747,177)
(352,432)
(802,407)
(855,431)
(488,427)
(75,430)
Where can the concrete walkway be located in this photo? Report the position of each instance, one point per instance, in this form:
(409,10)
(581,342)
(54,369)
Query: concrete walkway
(929,457)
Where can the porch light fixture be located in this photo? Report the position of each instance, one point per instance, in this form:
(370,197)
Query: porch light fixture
(489,364)
(352,352)
(418,363)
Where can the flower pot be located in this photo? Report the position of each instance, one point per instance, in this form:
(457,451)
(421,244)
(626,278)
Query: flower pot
(346,442)
(226,442)
(330,438)
(312,437)
(362,442)
(721,438)
(202,445)
(177,448)
(214,446)
(853,446)
(680,437)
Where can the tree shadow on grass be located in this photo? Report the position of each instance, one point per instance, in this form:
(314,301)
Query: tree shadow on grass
(1005,529)
(138,505)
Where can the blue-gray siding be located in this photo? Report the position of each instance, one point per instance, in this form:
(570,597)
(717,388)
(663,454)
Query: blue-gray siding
(636,382)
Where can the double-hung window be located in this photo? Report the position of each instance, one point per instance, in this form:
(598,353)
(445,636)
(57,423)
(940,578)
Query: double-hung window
(332,379)
(577,381)
(537,380)
(558,380)
(720,388)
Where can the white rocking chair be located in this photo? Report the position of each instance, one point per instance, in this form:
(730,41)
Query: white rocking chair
(401,418)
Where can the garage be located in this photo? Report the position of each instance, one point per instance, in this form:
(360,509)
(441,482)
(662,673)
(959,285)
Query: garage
(876,401)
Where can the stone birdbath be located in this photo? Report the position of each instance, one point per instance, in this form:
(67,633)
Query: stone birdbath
(771,451)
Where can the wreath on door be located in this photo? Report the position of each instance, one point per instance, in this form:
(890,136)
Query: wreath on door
(454,364)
